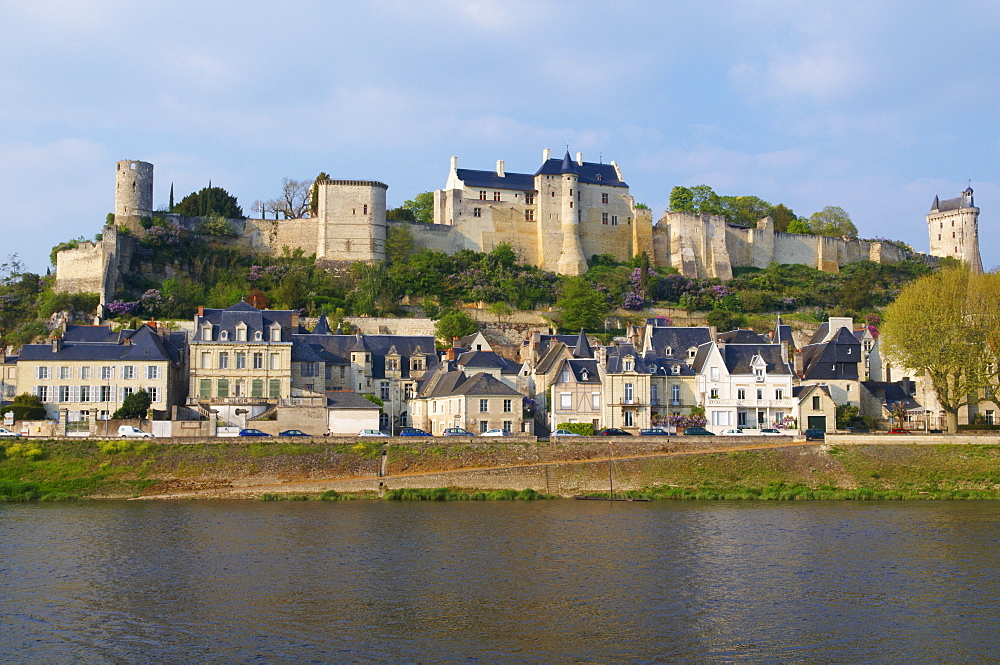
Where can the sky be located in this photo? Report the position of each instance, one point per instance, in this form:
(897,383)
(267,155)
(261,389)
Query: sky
(873,106)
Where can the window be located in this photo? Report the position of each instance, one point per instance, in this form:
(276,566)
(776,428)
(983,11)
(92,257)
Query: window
(126,391)
(206,332)
(508,406)
(241,360)
(257,388)
(628,364)
(990,417)
(152,372)
(482,195)
(63,393)
(629,393)
(258,336)
(477,212)
(222,388)
(224,336)
(384,390)
(604,197)
(274,388)
(529,198)
(42,373)
(128,371)
(529,215)
(484,425)
(713,393)
(275,361)
(241,333)
(343,372)
(258,361)
(206,360)
(565,401)
(508,425)
(779,393)
(223,360)
(760,394)
(758,374)
(496,196)
(713,373)
(484,405)
(614,220)
(364,209)
(629,419)
(310,369)
(741,393)
(42,392)
(816,406)
(595,400)
(154,393)
(275,333)
(85,373)
(653,397)
(105,394)
(675,394)
(604,218)
(65,372)
(84,393)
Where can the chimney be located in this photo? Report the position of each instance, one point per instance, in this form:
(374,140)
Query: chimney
(579,159)
(201,310)
(713,333)
(500,168)
(57,344)
(295,321)
(546,155)
(454,163)
(907,385)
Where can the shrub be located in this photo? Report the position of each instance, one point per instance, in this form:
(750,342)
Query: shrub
(583,429)
(115,447)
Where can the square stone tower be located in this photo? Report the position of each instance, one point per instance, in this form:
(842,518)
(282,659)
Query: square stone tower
(953,225)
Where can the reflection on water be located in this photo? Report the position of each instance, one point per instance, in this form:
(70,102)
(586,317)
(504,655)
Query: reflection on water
(536,581)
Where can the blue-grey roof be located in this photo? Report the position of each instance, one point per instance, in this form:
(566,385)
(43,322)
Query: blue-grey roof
(741,337)
(890,393)
(141,345)
(588,172)
(488,360)
(490,180)
(255,320)
(336,349)
(92,334)
(674,341)
(835,359)
(580,366)
(347,399)
(322,326)
(581,348)
(738,358)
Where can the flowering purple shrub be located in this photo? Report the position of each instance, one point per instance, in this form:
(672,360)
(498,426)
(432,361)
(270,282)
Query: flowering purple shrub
(266,275)
(636,298)
(680,422)
(121,308)
(168,234)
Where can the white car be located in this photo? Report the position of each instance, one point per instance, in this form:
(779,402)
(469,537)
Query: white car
(495,432)
(4,433)
(771,431)
(128,431)
(372,432)
(733,432)
(564,432)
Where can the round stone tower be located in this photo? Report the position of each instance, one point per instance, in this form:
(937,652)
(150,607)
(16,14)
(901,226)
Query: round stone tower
(571,260)
(953,225)
(133,188)
(352,225)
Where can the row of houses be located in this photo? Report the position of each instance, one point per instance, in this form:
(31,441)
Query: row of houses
(242,364)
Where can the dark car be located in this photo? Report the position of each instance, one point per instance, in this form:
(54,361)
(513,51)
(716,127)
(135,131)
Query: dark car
(697,431)
(655,431)
(613,431)
(252,432)
(815,435)
(457,431)
(413,431)
(292,432)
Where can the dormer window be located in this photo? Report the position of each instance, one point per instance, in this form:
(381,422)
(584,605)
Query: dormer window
(258,336)
(206,333)
(628,364)
(758,374)
(669,351)
(584,375)
(275,333)
(692,352)
(241,332)
(224,336)
(675,370)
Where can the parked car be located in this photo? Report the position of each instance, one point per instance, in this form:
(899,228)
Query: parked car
(6,433)
(734,432)
(655,431)
(495,432)
(128,432)
(564,432)
(815,435)
(292,432)
(697,431)
(413,431)
(372,432)
(899,430)
(457,431)
(252,432)
(613,431)
(770,431)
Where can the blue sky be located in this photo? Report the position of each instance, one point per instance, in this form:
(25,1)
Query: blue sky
(874,106)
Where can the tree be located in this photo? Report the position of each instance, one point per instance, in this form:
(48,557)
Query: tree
(832,221)
(454,324)
(398,244)
(210,201)
(27,407)
(314,193)
(294,201)
(581,305)
(782,216)
(681,199)
(400,215)
(374,292)
(135,405)
(941,326)
(422,207)
(800,226)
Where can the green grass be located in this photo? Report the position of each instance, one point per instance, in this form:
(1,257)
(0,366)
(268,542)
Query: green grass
(451,494)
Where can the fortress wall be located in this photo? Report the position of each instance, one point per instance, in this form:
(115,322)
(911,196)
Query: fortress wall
(598,238)
(439,237)
(270,236)
(81,269)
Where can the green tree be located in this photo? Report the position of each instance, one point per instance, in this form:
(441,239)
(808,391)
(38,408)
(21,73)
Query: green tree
(210,201)
(27,407)
(398,244)
(725,320)
(400,214)
(422,207)
(581,305)
(455,323)
(135,405)
(374,293)
(681,199)
(940,326)
(832,221)
(800,226)
(314,193)
(291,292)
(782,216)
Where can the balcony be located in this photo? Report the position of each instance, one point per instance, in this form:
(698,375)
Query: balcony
(786,403)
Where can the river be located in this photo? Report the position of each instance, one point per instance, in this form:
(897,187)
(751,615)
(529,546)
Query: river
(545,581)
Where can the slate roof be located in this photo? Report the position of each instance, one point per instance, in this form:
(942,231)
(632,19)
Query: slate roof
(457,383)
(588,172)
(322,326)
(835,359)
(677,339)
(347,399)
(141,345)
(742,337)
(578,367)
(581,348)
(488,360)
(336,349)
(739,356)
(798,392)
(256,320)
(890,393)
(490,180)
(956,203)
(92,334)
(783,333)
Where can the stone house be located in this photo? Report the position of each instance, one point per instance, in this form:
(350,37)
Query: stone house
(834,357)
(576,393)
(816,408)
(476,402)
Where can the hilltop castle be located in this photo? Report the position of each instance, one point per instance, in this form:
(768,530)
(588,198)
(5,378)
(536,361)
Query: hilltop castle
(556,218)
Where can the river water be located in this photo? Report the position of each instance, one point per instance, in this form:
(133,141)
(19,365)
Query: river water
(583,581)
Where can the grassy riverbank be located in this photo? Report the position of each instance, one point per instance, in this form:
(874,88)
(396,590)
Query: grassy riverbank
(280,470)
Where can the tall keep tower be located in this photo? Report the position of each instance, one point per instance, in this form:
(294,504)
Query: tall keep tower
(953,225)
(133,188)
(352,224)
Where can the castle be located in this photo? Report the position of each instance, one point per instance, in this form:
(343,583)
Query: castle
(556,218)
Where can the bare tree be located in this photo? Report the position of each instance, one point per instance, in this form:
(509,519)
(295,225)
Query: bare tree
(294,200)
